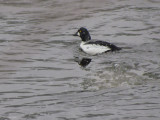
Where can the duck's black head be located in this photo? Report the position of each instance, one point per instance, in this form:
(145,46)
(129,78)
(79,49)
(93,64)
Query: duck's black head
(83,34)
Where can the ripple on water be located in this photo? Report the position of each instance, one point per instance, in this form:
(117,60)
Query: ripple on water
(44,74)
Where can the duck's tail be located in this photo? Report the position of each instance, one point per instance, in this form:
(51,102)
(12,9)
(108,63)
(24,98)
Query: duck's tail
(115,48)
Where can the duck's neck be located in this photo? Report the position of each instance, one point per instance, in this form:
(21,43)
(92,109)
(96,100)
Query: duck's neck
(85,38)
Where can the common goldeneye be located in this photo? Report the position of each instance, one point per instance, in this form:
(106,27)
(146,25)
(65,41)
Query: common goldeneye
(93,47)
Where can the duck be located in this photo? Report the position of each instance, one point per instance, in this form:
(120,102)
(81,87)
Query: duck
(94,47)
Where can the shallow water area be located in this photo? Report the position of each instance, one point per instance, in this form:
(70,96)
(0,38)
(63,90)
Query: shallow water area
(44,74)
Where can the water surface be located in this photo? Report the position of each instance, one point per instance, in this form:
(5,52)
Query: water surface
(41,72)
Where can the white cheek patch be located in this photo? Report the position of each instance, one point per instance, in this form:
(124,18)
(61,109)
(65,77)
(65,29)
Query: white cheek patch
(78,34)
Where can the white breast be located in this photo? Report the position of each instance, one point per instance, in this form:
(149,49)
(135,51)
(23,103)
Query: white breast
(93,49)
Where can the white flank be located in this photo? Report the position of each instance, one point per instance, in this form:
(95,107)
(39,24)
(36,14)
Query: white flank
(93,49)
(78,34)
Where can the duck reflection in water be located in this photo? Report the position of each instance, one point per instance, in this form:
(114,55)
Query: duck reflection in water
(83,61)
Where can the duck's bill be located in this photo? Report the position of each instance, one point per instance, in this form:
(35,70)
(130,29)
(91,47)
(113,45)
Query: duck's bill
(76,34)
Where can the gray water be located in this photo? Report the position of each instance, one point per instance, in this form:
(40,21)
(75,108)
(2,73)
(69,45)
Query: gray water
(41,77)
